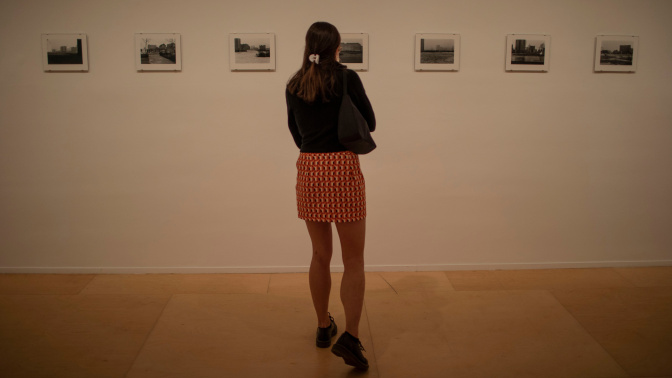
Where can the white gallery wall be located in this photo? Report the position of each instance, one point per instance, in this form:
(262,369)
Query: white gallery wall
(115,170)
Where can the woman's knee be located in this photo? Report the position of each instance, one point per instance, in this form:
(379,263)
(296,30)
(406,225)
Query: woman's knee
(322,255)
(354,263)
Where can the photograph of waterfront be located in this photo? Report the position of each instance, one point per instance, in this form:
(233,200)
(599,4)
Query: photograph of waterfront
(352,51)
(437,52)
(252,51)
(355,51)
(64,52)
(616,53)
(527,52)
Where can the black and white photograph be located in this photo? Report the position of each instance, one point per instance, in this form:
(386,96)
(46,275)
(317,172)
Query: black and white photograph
(616,53)
(65,52)
(252,51)
(355,51)
(158,52)
(528,52)
(437,52)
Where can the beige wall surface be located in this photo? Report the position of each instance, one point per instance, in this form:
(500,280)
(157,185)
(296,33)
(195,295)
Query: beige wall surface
(116,170)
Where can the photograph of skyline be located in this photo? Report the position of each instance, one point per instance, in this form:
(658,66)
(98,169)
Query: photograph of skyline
(528,51)
(437,51)
(437,45)
(56,44)
(62,50)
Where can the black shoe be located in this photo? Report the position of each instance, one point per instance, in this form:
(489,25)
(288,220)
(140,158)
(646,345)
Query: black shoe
(350,349)
(324,335)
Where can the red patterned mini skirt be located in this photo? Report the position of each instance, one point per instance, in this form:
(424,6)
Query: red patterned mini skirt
(330,187)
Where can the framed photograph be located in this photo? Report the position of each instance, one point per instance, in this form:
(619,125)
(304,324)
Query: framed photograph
(437,52)
(64,52)
(528,52)
(616,53)
(355,51)
(158,52)
(252,52)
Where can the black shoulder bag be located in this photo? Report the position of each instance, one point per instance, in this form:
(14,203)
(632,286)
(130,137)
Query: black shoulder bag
(353,131)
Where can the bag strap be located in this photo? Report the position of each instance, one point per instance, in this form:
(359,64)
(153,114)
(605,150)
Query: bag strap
(345,82)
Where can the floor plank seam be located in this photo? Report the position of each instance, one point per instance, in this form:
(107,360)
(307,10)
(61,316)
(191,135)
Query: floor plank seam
(87,284)
(149,334)
(589,333)
(373,346)
(624,277)
(392,287)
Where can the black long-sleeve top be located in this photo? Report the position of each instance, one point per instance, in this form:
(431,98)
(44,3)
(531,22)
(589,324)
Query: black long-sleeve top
(315,126)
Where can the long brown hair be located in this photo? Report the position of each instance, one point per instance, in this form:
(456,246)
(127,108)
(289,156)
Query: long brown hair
(316,81)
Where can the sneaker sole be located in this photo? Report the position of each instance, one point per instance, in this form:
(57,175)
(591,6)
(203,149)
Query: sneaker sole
(348,357)
(327,344)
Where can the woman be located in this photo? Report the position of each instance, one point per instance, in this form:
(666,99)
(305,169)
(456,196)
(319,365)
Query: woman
(330,185)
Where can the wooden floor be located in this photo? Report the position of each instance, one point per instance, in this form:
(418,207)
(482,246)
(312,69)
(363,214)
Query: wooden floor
(527,323)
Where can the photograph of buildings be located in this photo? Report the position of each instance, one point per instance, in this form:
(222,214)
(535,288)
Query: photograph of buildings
(157,50)
(616,53)
(527,51)
(63,50)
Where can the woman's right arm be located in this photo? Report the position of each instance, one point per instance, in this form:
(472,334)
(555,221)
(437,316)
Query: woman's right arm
(359,98)
(293,127)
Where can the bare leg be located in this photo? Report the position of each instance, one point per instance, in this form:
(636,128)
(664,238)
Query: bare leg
(352,235)
(320,275)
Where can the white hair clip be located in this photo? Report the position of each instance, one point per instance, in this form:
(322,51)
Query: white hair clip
(314,58)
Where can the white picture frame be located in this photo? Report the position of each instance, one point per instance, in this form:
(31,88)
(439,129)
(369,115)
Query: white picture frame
(437,52)
(355,51)
(65,52)
(158,52)
(528,52)
(616,53)
(252,51)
